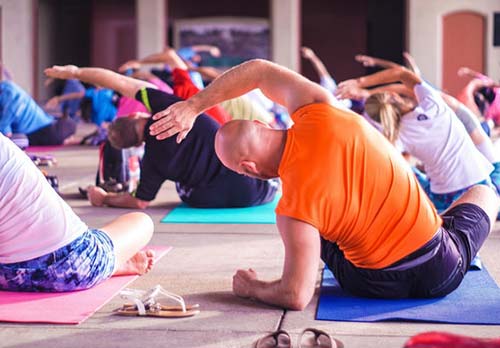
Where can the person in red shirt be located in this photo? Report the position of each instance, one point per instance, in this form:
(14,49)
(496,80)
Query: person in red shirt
(348,195)
(183,86)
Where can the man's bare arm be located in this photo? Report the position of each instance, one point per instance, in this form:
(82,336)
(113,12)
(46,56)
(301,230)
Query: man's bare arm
(296,287)
(124,85)
(278,83)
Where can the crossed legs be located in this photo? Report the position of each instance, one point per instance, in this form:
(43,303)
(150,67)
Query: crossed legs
(130,233)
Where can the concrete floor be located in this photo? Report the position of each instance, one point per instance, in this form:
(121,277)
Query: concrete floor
(200,268)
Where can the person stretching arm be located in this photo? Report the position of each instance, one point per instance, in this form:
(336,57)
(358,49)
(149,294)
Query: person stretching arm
(124,85)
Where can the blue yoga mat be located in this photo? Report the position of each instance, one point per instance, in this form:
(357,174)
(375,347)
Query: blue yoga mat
(476,301)
(261,214)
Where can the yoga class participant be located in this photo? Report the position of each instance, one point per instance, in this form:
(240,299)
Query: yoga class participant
(344,182)
(44,246)
(428,130)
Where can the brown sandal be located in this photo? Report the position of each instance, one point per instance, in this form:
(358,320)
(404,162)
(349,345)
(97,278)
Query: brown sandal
(277,339)
(314,338)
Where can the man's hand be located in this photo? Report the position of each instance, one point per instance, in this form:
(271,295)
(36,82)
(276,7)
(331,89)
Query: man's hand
(177,118)
(96,195)
(62,72)
(243,281)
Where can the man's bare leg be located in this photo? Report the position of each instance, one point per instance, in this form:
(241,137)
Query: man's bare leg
(130,233)
(482,196)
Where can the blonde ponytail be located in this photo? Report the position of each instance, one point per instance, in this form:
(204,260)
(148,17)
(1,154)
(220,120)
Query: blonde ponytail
(382,108)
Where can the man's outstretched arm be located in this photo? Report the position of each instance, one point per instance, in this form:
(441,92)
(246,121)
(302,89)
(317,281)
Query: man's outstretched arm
(278,83)
(297,284)
(124,85)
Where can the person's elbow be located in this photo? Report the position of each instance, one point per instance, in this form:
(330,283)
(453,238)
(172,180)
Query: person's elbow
(299,299)
(408,77)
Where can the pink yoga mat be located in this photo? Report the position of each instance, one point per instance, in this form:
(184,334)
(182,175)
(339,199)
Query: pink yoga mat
(63,308)
(43,148)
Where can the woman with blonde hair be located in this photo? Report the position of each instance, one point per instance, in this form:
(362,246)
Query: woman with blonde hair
(426,128)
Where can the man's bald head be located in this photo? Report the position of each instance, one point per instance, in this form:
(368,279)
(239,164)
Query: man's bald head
(250,148)
(234,142)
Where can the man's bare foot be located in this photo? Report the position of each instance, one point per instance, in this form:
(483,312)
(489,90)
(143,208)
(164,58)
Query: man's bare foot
(141,263)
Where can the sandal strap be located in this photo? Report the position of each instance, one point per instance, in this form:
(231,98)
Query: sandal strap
(148,299)
(151,297)
(134,296)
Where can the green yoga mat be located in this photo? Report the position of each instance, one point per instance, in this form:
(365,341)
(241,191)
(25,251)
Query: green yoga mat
(261,214)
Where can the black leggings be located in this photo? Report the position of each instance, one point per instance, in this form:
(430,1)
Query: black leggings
(53,134)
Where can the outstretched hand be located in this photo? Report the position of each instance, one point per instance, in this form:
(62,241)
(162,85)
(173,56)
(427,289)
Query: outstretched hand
(131,64)
(177,119)
(243,281)
(350,89)
(465,71)
(307,52)
(367,61)
(64,72)
(52,103)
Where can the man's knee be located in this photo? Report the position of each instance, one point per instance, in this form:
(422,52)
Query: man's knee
(484,197)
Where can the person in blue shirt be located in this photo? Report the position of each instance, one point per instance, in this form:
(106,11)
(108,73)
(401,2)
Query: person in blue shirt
(20,114)
(103,102)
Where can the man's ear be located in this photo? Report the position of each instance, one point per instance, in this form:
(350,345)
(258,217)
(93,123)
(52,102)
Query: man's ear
(249,166)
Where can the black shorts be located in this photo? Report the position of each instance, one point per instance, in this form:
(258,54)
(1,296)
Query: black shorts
(53,134)
(434,270)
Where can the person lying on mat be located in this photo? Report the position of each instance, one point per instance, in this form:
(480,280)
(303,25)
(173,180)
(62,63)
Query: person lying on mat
(201,179)
(44,246)
(19,113)
(348,195)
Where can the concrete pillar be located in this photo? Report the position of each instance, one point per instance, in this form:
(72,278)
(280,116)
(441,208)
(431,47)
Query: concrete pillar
(151,28)
(285,32)
(18,41)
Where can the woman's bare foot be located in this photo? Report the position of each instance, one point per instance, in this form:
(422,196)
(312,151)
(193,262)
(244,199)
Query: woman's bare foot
(141,263)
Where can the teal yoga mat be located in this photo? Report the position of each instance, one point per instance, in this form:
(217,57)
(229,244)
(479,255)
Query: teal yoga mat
(261,214)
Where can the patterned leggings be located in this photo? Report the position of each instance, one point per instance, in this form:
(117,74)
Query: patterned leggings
(83,263)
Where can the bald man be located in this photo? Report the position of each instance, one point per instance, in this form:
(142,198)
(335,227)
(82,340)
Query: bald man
(348,195)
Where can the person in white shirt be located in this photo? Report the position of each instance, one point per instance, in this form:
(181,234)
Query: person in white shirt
(428,130)
(44,246)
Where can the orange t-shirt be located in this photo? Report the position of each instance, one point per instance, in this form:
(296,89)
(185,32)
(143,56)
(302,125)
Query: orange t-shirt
(342,176)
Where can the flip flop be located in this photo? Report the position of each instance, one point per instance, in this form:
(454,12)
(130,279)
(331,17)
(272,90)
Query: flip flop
(277,339)
(314,338)
(145,303)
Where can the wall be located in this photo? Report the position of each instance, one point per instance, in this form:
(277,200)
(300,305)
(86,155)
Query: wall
(425,28)
(18,40)
(151,29)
